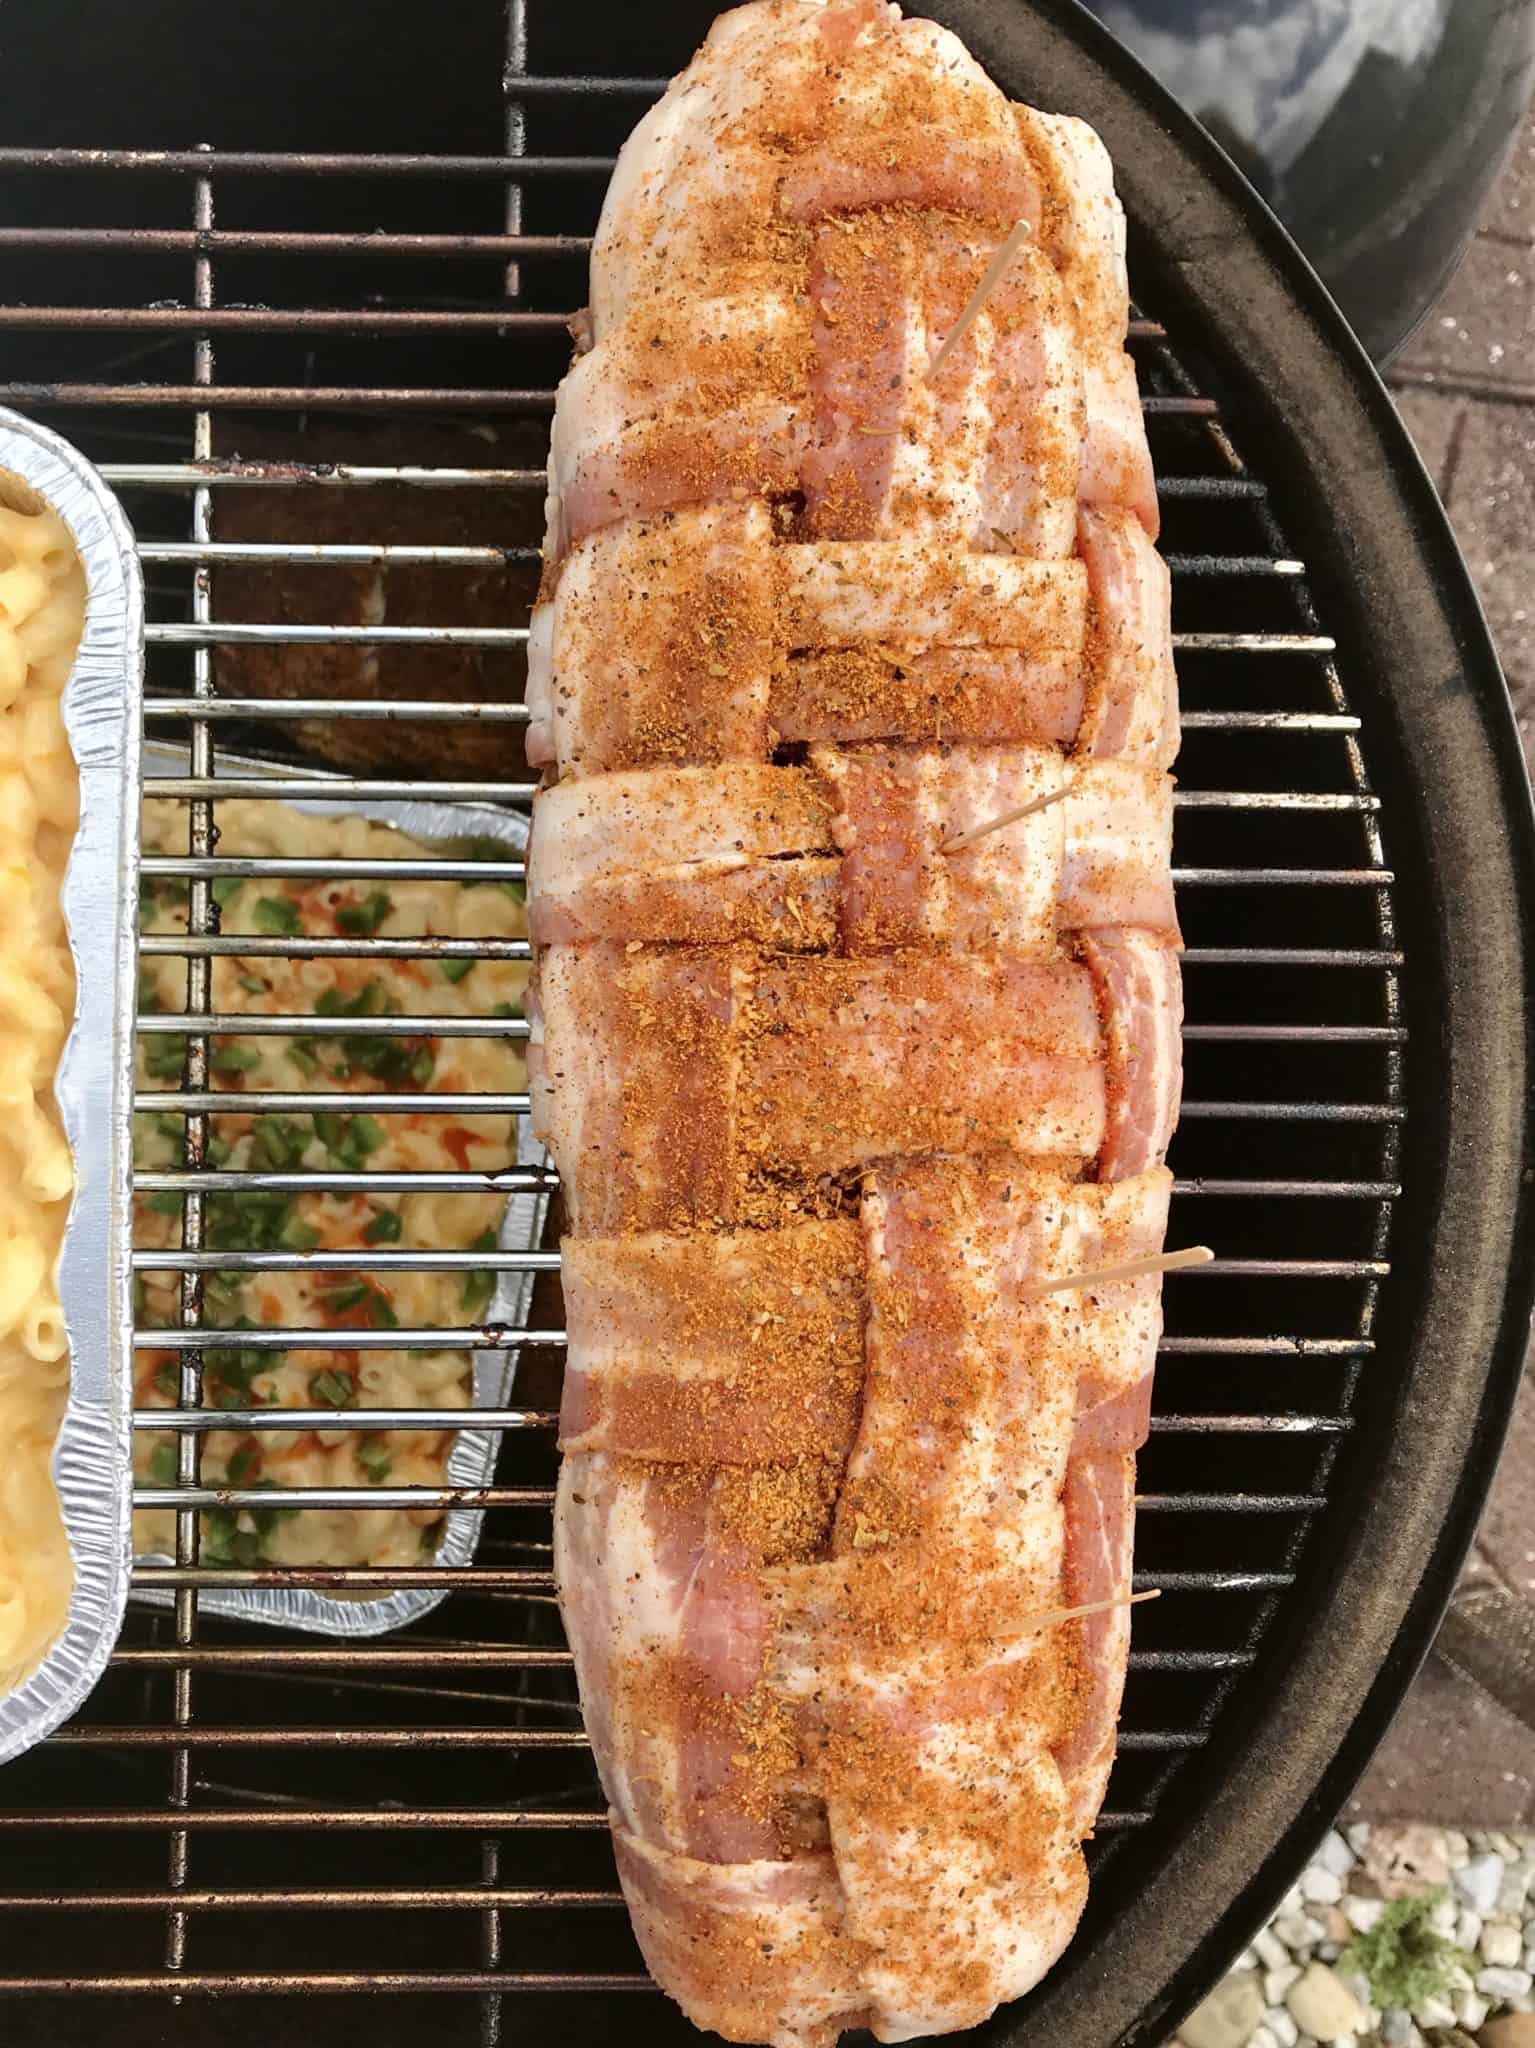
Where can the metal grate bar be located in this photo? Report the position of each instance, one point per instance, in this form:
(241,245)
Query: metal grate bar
(215,1101)
(277,867)
(1304,1112)
(344,1657)
(262,1025)
(1269,721)
(329,553)
(175,945)
(244,241)
(299,163)
(279,397)
(229,471)
(377,1260)
(287,788)
(365,1819)
(417,710)
(1257,1425)
(509,1180)
(301,1420)
(272,1337)
(348,1898)
(277,319)
(1288,878)
(1290,956)
(225,1983)
(225,634)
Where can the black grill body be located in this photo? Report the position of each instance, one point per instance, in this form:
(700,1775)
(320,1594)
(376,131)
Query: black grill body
(279,1828)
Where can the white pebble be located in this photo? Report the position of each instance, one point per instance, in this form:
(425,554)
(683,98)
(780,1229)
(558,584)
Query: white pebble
(1468,1928)
(1328,1951)
(1471,2009)
(1335,1855)
(1247,1960)
(1277,1982)
(1457,1847)
(1322,2004)
(1434,2012)
(1480,1882)
(1396,2027)
(1501,1944)
(1362,1914)
(1320,1887)
(1264,2037)
(1444,1917)
(1282,2027)
(1516,1887)
(1270,1950)
(1357,1835)
(1457,1978)
(1527,1960)
(1504,1983)
(1298,1931)
(1227,2017)
(1503,1845)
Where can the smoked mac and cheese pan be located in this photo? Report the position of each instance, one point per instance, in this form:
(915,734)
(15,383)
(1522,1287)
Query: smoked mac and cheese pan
(260,1230)
(71,658)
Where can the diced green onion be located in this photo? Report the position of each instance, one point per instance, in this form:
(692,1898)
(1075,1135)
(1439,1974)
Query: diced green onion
(373,1456)
(362,920)
(277,915)
(234,1059)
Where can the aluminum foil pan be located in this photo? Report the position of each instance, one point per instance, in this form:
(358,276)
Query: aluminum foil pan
(92,1460)
(472,1460)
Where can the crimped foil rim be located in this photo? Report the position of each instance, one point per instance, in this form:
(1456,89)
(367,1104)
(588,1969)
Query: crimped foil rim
(472,1460)
(92,1459)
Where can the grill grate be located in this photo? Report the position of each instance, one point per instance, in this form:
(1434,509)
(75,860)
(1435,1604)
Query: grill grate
(223,1772)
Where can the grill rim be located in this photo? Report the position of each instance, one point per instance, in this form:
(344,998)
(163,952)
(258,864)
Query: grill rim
(1349,489)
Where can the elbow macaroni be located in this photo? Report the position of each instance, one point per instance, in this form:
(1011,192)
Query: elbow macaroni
(42,613)
(330,989)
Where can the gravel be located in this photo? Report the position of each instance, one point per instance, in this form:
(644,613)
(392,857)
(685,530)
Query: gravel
(1295,1986)
(1480,1882)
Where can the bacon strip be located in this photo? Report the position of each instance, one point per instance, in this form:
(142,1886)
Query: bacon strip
(837,642)
(857,1061)
(724,1350)
(1142,996)
(1133,708)
(709,856)
(660,642)
(850,852)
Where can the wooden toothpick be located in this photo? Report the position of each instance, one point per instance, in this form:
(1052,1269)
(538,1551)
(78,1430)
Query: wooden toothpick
(1129,1269)
(983,291)
(1049,1616)
(1038,803)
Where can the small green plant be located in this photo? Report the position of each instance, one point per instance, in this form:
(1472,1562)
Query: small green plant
(1403,1958)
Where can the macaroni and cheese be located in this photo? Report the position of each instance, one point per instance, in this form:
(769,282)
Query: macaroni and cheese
(332,1058)
(42,612)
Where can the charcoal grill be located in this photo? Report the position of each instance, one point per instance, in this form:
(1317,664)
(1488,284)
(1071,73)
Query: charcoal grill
(327,220)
